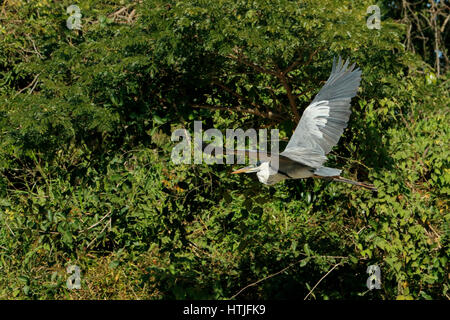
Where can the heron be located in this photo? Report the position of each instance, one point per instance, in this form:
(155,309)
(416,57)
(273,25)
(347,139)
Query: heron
(318,131)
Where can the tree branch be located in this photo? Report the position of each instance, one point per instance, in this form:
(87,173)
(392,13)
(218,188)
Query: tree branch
(291,97)
(242,59)
(286,268)
(335,266)
(299,61)
(237,95)
(267,115)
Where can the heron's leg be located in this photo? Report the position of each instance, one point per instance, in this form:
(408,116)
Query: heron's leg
(329,178)
(353,182)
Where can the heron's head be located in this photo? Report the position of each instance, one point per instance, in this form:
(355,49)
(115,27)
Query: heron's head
(250,169)
(265,173)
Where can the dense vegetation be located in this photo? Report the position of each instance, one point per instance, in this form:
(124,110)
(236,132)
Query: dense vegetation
(86,178)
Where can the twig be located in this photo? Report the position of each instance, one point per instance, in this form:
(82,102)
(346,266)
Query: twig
(241,58)
(118,12)
(334,267)
(291,97)
(132,14)
(12,232)
(98,222)
(299,60)
(32,83)
(284,269)
(34,46)
(237,95)
(303,92)
(268,115)
(104,228)
(268,277)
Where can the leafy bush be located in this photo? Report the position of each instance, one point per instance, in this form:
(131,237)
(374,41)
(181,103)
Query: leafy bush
(86,177)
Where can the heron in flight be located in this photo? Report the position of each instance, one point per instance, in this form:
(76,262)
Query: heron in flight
(317,132)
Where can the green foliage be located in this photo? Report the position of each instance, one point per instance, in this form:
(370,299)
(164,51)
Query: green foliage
(86,177)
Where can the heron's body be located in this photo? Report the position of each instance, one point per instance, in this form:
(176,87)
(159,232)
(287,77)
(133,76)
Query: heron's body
(317,132)
(268,175)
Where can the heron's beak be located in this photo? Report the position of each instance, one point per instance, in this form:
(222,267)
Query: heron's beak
(248,169)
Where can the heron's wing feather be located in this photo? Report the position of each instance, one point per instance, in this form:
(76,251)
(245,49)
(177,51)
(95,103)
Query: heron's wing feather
(325,119)
(306,156)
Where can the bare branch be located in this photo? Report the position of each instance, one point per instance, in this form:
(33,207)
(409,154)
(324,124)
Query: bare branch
(31,84)
(315,286)
(240,97)
(291,97)
(299,61)
(304,92)
(242,59)
(267,115)
(286,268)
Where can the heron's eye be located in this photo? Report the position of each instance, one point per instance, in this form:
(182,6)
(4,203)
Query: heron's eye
(258,163)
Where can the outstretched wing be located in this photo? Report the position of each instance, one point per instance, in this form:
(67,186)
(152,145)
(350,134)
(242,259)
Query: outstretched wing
(325,119)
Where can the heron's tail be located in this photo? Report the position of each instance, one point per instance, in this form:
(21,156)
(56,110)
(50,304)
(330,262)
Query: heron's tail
(356,183)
